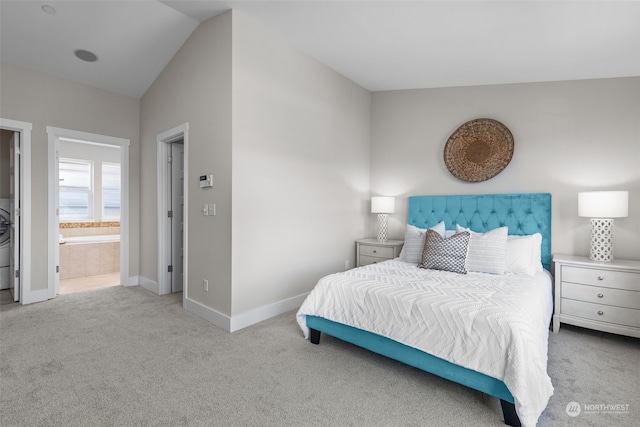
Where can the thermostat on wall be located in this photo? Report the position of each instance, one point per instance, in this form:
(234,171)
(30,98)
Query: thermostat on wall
(206,181)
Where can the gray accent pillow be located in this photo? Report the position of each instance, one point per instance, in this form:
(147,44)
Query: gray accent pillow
(445,254)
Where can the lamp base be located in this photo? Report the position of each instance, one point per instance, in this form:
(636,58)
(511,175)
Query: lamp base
(382,228)
(601,240)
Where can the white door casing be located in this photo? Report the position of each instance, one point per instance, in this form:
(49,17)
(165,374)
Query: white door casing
(54,136)
(164,143)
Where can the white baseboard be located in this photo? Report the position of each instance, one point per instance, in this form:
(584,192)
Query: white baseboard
(265,312)
(131,281)
(149,285)
(235,323)
(209,314)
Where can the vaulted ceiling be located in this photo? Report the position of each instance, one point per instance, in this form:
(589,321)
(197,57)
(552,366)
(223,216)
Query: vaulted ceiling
(381,45)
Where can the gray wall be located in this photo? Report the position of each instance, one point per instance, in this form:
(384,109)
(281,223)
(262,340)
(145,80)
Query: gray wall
(195,87)
(301,135)
(287,140)
(569,137)
(45,100)
(296,151)
(95,153)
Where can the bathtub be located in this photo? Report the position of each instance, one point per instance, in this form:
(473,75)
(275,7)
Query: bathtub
(82,256)
(93,239)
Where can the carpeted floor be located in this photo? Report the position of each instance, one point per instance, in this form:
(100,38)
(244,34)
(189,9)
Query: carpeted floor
(126,357)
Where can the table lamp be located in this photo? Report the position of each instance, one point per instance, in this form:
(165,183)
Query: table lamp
(382,206)
(602,207)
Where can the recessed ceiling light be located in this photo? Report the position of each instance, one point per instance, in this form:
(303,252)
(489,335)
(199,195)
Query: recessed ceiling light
(85,55)
(49,9)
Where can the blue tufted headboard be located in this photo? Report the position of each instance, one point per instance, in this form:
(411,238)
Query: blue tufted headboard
(525,213)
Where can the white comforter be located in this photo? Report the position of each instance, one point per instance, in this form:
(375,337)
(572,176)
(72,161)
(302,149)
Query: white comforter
(496,325)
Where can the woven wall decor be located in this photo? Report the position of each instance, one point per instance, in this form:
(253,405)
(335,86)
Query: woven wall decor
(478,150)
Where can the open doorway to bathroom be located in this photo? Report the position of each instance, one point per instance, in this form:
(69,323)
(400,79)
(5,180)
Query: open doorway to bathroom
(89,194)
(5,210)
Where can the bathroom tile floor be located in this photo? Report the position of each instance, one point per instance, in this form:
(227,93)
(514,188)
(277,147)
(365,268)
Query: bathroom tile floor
(98,281)
(6,297)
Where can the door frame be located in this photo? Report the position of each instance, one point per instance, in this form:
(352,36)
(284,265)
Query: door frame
(164,141)
(54,136)
(27,296)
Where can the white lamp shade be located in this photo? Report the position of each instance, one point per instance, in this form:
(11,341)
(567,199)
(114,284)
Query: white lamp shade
(603,204)
(385,205)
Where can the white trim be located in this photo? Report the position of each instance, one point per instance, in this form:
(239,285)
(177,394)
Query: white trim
(27,296)
(265,312)
(164,247)
(148,284)
(212,316)
(241,321)
(54,136)
(131,281)
(595,325)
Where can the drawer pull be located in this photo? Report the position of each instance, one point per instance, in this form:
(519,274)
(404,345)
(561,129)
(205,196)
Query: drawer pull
(600,295)
(600,278)
(600,313)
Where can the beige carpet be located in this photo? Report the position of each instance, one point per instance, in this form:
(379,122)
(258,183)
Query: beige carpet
(126,357)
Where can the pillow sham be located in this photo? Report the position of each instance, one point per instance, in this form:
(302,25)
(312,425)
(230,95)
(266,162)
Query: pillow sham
(523,254)
(414,242)
(445,254)
(487,251)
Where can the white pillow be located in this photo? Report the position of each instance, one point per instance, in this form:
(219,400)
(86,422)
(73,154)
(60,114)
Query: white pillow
(487,251)
(414,242)
(523,254)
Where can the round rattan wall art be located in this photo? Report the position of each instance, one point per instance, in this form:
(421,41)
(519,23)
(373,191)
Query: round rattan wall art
(478,150)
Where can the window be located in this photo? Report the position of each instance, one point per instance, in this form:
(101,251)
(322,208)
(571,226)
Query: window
(111,191)
(76,189)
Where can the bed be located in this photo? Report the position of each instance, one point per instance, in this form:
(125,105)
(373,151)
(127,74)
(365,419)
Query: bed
(485,331)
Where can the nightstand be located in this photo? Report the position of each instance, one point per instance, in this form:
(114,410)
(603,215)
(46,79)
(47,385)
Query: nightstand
(370,251)
(598,295)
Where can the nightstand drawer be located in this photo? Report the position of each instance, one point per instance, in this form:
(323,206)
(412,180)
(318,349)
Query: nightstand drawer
(370,251)
(600,295)
(376,251)
(366,260)
(604,278)
(601,313)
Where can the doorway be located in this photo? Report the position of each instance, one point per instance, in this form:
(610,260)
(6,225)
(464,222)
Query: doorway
(15,201)
(81,213)
(89,211)
(9,216)
(177,216)
(173,210)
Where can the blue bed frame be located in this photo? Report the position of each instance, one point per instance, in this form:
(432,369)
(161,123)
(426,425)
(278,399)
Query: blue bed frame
(523,213)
